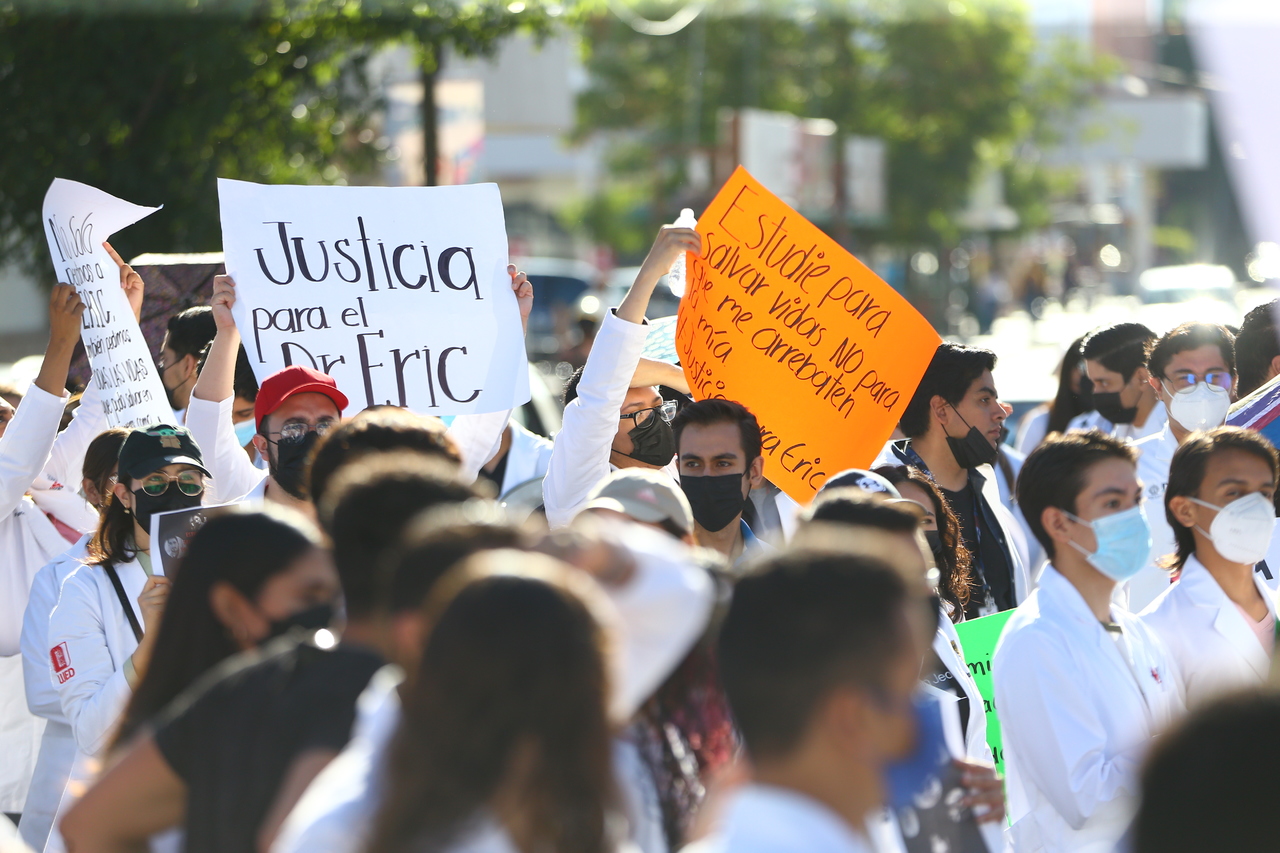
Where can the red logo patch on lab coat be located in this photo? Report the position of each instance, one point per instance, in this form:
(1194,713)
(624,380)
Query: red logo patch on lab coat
(61,659)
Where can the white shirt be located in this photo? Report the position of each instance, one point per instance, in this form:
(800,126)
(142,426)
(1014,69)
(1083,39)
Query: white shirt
(1078,711)
(768,819)
(528,458)
(92,636)
(1155,452)
(1214,647)
(580,457)
(1032,429)
(40,473)
(57,745)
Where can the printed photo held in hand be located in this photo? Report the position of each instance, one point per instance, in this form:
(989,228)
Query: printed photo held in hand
(77,219)
(780,318)
(399,293)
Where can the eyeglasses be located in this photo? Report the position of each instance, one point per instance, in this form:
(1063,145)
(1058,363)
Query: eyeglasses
(190,483)
(295,433)
(1183,381)
(667,411)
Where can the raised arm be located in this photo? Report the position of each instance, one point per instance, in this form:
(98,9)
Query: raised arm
(209,412)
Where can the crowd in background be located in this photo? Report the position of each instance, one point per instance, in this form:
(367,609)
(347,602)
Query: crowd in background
(379,649)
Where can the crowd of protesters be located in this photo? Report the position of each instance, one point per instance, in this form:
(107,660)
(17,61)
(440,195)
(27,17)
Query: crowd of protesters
(372,651)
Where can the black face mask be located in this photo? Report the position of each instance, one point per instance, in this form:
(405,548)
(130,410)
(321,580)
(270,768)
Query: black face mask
(310,620)
(290,463)
(145,505)
(1109,406)
(716,501)
(972,450)
(652,443)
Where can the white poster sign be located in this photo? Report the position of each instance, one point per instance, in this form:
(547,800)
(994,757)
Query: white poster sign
(401,294)
(77,219)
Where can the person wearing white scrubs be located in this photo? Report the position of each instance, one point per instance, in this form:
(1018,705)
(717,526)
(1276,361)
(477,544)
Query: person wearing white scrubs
(1192,369)
(820,658)
(1082,684)
(41,515)
(1219,618)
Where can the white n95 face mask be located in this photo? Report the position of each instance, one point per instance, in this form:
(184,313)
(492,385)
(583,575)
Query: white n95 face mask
(1202,406)
(1241,531)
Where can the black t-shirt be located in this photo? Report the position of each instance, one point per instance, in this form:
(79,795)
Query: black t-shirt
(990,563)
(234,734)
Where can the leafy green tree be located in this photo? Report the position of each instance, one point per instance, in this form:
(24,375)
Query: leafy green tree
(153,101)
(949,86)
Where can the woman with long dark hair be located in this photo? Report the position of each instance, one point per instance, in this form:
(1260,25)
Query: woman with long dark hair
(1071,401)
(102,632)
(942,532)
(504,744)
(247,576)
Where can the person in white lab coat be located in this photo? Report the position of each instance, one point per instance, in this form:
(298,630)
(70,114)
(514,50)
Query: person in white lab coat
(521,456)
(1082,685)
(1115,360)
(1219,618)
(58,745)
(820,658)
(41,515)
(614,416)
(1193,371)
(101,633)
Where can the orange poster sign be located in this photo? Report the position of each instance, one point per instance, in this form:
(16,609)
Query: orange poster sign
(780,318)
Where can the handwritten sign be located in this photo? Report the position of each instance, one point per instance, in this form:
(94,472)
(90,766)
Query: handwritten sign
(780,318)
(400,293)
(77,219)
(978,638)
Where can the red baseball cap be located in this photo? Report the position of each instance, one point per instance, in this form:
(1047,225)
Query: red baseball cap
(296,379)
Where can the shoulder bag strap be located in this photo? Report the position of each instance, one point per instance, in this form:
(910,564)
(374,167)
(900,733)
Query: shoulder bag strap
(124,600)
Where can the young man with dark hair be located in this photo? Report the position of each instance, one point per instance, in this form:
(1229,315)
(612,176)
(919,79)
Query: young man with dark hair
(230,758)
(1257,349)
(614,416)
(1115,361)
(188,333)
(1192,371)
(718,456)
(1082,684)
(819,657)
(953,425)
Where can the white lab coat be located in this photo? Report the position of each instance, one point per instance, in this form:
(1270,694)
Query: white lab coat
(1215,649)
(527,458)
(1269,568)
(236,478)
(1155,452)
(769,819)
(1077,717)
(1032,429)
(40,473)
(90,627)
(580,457)
(58,745)
(1126,432)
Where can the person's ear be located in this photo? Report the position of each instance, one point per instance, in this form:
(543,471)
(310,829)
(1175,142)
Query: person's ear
(755,474)
(844,723)
(260,444)
(242,621)
(1156,385)
(123,495)
(190,367)
(941,409)
(1274,370)
(1056,524)
(90,490)
(1184,510)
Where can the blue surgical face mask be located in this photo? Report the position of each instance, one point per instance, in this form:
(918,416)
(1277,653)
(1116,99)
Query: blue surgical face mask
(245,431)
(911,774)
(1124,542)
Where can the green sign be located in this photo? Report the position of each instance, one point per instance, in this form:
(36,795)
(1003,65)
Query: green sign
(978,639)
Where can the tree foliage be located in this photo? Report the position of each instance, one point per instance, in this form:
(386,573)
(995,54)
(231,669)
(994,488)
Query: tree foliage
(153,101)
(949,86)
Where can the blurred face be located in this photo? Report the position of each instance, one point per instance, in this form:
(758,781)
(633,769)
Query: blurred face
(1107,381)
(714,450)
(125,491)
(309,581)
(1185,369)
(980,407)
(242,410)
(309,410)
(912,492)
(1110,486)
